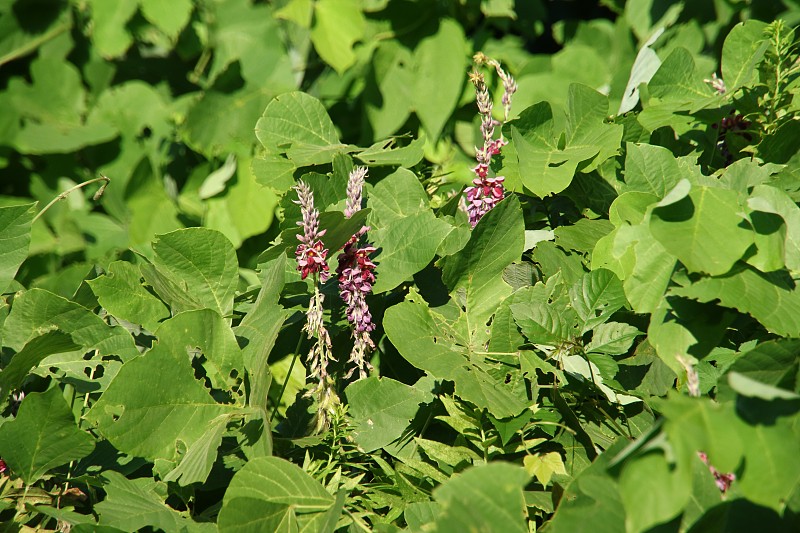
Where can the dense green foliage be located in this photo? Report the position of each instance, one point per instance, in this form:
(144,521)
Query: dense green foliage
(613,347)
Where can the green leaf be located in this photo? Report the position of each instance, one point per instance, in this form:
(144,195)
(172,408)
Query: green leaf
(385,153)
(179,412)
(260,328)
(544,465)
(220,123)
(18,37)
(397,196)
(298,125)
(170,18)
(587,111)
(248,33)
(412,330)
(651,492)
(440,60)
(274,171)
(271,494)
(207,336)
(110,36)
(406,246)
(650,169)
(196,463)
(591,502)
(15,236)
(483,498)
(685,328)
(743,49)
(42,436)
(496,241)
(30,356)
(134,504)
(595,297)
(382,410)
(773,363)
(703,229)
(36,311)
(544,313)
(203,263)
(612,338)
(121,293)
(338,24)
(772,298)
(544,168)
(767,199)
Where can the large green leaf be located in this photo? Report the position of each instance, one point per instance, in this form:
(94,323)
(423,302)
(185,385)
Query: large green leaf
(271,494)
(338,24)
(743,49)
(31,355)
(651,169)
(405,247)
(207,336)
(122,294)
(382,409)
(440,60)
(483,499)
(299,126)
(202,262)
(134,504)
(42,436)
(702,227)
(141,422)
(15,236)
(772,298)
(397,196)
(496,241)
(38,310)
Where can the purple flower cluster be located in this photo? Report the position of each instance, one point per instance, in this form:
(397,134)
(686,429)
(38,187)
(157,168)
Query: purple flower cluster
(311,254)
(486,192)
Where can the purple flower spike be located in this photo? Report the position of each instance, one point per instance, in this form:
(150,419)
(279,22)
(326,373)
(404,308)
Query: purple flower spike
(356,274)
(311,254)
(486,192)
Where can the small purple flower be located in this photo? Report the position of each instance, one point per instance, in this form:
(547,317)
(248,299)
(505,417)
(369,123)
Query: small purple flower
(723,481)
(3,466)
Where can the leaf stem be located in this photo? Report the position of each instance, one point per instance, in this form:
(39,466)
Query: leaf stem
(69,191)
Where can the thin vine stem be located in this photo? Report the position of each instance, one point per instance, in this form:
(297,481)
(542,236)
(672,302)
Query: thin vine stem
(69,191)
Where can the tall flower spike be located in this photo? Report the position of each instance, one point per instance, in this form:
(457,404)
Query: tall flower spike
(311,255)
(356,277)
(486,191)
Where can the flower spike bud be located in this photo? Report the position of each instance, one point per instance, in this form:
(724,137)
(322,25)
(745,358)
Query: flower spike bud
(311,253)
(354,185)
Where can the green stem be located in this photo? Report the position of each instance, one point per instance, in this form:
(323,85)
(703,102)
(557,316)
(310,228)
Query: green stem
(286,379)
(69,191)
